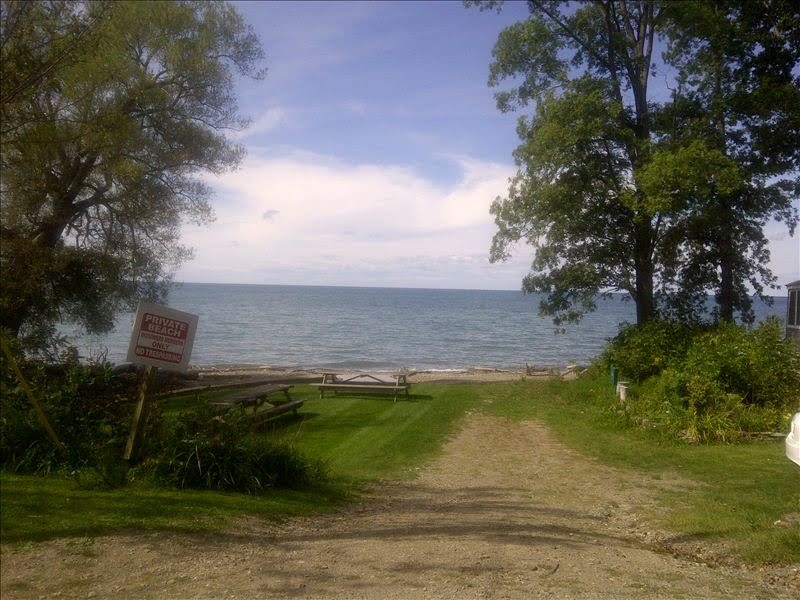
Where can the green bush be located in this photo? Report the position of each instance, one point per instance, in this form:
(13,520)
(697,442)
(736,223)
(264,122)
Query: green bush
(639,352)
(759,366)
(203,451)
(87,407)
(728,382)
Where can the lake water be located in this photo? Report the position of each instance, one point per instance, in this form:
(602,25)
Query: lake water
(378,328)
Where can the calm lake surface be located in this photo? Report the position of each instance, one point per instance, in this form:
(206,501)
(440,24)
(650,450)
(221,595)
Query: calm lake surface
(378,328)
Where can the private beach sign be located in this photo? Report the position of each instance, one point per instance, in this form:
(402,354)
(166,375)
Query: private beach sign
(162,337)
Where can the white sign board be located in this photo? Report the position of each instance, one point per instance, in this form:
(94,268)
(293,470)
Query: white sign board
(162,337)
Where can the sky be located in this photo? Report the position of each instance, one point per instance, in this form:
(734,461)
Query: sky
(374,153)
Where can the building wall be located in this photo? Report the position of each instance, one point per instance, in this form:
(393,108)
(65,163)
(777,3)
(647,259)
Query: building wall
(793,312)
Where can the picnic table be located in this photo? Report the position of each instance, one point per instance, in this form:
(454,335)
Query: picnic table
(256,397)
(364,382)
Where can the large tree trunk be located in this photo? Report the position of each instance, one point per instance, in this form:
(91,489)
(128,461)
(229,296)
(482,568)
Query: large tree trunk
(643,263)
(645,302)
(726,294)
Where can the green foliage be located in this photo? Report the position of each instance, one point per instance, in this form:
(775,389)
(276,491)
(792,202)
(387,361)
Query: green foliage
(87,406)
(110,110)
(662,200)
(575,198)
(709,385)
(203,451)
(639,352)
(675,177)
(759,366)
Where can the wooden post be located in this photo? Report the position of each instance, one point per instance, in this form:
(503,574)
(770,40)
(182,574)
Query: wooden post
(140,413)
(28,392)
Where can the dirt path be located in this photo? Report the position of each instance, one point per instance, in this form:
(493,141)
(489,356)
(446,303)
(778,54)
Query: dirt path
(506,512)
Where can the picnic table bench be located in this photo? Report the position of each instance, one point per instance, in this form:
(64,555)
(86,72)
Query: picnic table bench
(256,397)
(277,409)
(364,382)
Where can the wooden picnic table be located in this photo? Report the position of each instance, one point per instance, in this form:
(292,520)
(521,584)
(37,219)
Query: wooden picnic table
(256,397)
(364,382)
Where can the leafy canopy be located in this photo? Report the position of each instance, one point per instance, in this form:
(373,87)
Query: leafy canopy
(665,199)
(110,111)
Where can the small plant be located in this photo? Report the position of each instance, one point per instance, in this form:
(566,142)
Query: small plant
(204,451)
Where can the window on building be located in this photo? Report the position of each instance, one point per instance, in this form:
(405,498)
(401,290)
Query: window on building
(793,316)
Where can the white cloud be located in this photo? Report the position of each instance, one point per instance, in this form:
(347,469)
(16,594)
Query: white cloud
(304,218)
(308,218)
(270,119)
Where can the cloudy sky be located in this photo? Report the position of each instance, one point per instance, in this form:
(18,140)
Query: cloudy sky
(374,153)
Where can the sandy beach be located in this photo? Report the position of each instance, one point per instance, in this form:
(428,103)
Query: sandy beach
(224,375)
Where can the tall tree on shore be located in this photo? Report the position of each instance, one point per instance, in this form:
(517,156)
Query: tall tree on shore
(575,198)
(664,200)
(737,95)
(109,111)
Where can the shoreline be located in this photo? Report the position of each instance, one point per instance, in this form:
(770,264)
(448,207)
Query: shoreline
(244,373)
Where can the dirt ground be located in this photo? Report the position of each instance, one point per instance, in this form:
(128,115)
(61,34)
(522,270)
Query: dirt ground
(505,512)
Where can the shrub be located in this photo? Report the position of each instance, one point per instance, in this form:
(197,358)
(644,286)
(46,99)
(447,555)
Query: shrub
(203,451)
(759,366)
(729,381)
(639,352)
(86,406)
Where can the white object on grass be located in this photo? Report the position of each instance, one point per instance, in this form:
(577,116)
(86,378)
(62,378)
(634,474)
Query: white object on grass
(793,440)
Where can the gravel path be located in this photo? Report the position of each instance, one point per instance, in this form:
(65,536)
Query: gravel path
(506,512)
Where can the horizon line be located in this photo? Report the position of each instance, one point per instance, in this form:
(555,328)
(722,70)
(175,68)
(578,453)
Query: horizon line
(398,287)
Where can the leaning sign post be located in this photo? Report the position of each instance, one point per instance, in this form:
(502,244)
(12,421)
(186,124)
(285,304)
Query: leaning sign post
(162,338)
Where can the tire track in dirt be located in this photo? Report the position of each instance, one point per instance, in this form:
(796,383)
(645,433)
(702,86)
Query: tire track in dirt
(506,511)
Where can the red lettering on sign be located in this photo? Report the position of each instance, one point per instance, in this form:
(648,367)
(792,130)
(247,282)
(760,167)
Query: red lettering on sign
(164,326)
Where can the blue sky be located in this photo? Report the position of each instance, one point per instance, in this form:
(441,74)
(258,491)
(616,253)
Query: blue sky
(374,153)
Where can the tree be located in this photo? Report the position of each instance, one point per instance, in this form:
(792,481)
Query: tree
(575,198)
(738,95)
(110,110)
(663,200)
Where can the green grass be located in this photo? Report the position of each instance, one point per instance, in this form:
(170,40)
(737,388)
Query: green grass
(364,438)
(39,508)
(359,438)
(743,489)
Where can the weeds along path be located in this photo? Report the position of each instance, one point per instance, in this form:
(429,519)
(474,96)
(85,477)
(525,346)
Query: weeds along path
(505,512)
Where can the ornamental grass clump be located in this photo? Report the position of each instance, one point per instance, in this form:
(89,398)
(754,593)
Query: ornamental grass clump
(204,451)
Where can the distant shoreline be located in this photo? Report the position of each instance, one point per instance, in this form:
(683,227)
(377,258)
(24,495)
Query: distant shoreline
(240,373)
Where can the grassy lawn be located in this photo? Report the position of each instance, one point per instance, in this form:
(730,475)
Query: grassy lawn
(367,438)
(361,439)
(38,508)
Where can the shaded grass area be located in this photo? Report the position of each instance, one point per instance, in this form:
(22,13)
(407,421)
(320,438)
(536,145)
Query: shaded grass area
(742,489)
(39,508)
(359,438)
